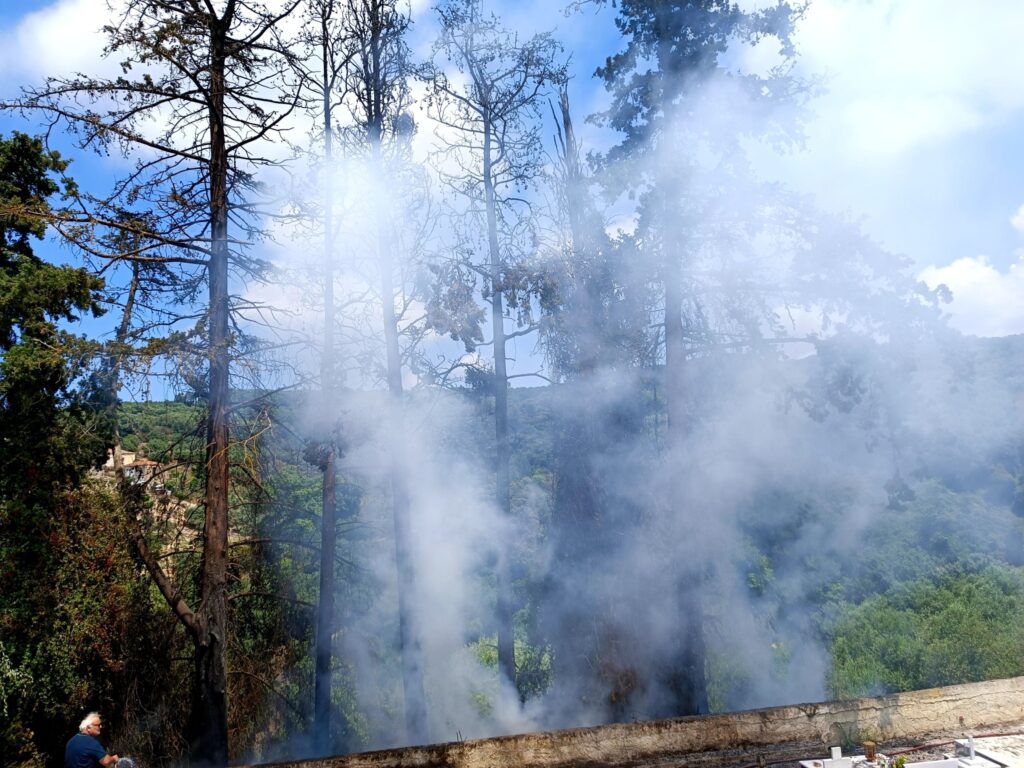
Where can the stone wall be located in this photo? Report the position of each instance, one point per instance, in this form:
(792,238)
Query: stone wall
(761,735)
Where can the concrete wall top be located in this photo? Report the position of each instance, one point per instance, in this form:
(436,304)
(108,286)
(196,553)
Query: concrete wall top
(958,709)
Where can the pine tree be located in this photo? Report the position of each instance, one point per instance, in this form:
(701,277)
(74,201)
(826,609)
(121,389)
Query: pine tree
(665,87)
(494,123)
(217,81)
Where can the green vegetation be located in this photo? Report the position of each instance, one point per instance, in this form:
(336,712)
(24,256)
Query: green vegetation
(934,595)
(158,430)
(957,628)
(930,594)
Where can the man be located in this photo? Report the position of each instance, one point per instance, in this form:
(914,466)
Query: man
(84,749)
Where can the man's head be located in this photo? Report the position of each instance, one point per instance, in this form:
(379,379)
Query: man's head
(91,724)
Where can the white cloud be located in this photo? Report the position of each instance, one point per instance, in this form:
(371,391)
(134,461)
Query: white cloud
(59,39)
(1017,220)
(904,72)
(986,301)
(889,125)
(901,76)
(912,135)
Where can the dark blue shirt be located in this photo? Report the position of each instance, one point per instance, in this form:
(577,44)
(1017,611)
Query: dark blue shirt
(83,751)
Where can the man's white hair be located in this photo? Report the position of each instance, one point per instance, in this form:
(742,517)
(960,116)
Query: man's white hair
(85,721)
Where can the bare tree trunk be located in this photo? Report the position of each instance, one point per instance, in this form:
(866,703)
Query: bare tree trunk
(114,372)
(417,731)
(209,736)
(375,83)
(328,514)
(686,677)
(325,612)
(506,647)
(412,670)
(578,516)
(416,727)
(495,114)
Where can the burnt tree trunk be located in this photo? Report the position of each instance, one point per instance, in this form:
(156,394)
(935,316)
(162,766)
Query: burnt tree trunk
(502,487)
(412,664)
(322,675)
(580,520)
(376,84)
(686,676)
(325,608)
(209,732)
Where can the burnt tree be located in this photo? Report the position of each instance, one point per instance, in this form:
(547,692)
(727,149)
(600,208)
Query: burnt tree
(204,85)
(668,85)
(375,82)
(494,123)
(324,48)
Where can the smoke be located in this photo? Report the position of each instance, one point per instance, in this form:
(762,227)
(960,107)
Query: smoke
(822,397)
(733,533)
(457,538)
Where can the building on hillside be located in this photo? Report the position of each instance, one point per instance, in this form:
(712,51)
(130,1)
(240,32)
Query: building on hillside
(136,469)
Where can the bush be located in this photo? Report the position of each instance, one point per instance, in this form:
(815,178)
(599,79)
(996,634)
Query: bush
(959,627)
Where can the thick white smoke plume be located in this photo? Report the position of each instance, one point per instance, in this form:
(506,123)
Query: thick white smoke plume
(824,388)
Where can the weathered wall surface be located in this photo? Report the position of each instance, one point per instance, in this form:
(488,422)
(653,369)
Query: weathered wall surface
(723,739)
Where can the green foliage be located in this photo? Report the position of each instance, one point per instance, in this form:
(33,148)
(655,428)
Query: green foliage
(25,186)
(760,575)
(157,430)
(939,529)
(59,631)
(45,426)
(13,681)
(674,52)
(77,618)
(20,748)
(85,635)
(726,675)
(75,659)
(533,668)
(960,627)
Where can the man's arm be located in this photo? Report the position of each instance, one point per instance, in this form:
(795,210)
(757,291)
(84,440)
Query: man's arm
(108,760)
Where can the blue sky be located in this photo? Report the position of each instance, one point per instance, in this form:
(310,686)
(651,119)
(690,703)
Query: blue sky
(919,132)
